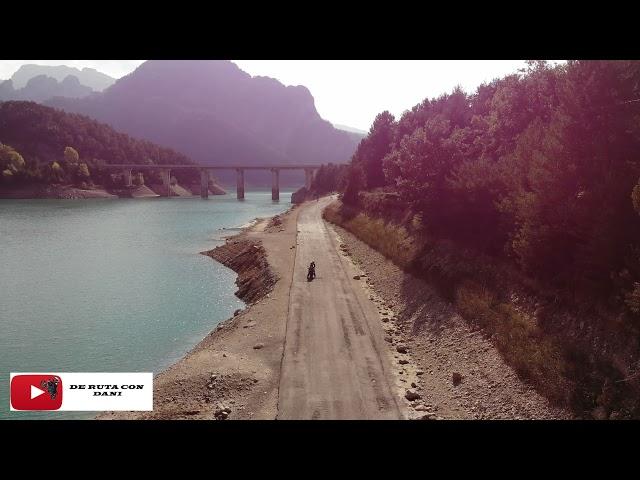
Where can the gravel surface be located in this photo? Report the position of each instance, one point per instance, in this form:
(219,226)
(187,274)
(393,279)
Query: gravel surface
(448,371)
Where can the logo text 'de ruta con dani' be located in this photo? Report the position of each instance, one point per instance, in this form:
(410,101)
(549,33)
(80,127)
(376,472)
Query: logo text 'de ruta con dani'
(82,391)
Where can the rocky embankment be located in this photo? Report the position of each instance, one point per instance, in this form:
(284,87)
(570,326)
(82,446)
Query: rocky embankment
(248,258)
(143,191)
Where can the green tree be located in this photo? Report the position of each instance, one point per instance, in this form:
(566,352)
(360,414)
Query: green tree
(71,156)
(11,159)
(423,162)
(12,164)
(328,178)
(356,182)
(55,173)
(82,174)
(374,148)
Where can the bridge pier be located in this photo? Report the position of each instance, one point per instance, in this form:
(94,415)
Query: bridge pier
(204,183)
(308,176)
(275,184)
(240,183)
(126,175)
(166,181)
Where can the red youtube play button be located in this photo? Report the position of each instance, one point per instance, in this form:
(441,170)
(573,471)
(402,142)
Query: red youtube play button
(36,392)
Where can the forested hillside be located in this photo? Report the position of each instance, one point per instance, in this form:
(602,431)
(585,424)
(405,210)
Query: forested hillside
(43,137)
(538,167)
(537,174)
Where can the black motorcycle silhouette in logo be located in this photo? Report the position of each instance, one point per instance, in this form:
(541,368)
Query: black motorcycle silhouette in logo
(51,386)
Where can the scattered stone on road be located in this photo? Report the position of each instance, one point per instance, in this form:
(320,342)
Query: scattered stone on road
(222,412)
(411,395)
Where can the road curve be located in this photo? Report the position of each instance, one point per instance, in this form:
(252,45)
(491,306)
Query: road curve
(334,365)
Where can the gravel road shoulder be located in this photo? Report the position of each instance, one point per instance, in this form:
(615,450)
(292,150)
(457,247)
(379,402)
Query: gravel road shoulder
(449,370)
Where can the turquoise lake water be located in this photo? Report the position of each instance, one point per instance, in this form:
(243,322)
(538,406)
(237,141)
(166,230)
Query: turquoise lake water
(113,285)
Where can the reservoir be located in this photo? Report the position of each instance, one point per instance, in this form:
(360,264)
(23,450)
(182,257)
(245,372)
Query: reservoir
(113,285)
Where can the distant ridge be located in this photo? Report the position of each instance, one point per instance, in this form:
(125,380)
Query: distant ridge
(89,77)
(351,129)
(42,87)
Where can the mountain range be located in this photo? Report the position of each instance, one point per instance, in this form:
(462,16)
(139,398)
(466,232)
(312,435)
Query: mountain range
(38,83)
(42,87)
(89,77)
(215,113)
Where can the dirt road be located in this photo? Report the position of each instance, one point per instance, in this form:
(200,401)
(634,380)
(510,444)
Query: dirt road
(335,363)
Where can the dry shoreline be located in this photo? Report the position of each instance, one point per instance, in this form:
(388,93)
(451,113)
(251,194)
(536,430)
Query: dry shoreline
(53,192)
(30,192)
(234,372)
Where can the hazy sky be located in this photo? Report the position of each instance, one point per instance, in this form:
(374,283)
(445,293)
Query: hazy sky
(347,92)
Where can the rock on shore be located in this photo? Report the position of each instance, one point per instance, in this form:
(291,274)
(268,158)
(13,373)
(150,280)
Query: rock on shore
(248,259)
(143,192)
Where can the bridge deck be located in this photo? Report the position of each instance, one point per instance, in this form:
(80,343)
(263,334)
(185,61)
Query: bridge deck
(214,167)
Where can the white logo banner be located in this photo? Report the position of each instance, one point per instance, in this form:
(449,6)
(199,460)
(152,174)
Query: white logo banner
(82,392)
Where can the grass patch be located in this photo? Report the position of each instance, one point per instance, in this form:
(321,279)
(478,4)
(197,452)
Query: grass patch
(518,338)
(392,241)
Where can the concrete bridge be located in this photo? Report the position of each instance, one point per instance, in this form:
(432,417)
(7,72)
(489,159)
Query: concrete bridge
(165,172)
